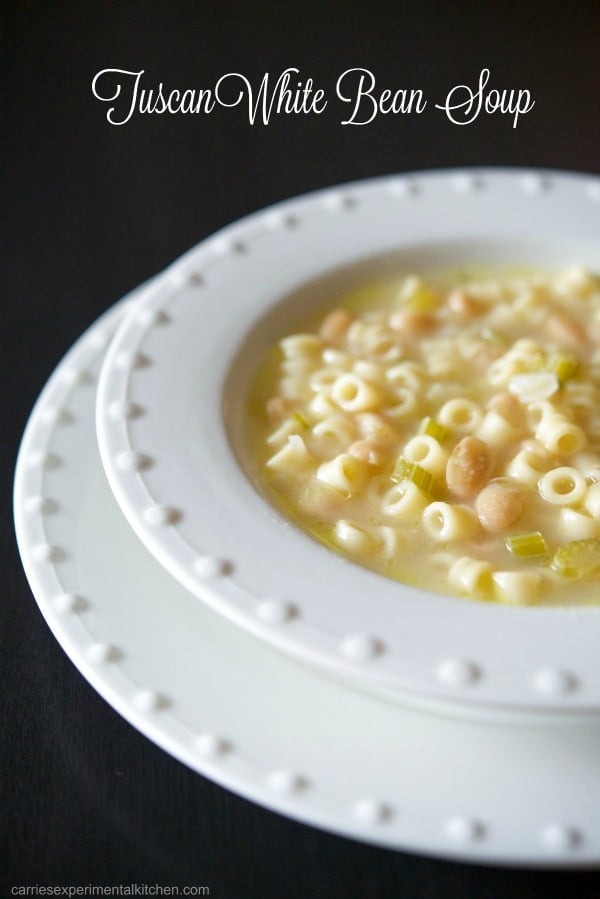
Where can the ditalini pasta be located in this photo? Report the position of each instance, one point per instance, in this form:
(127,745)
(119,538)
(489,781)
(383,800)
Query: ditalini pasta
(446,433)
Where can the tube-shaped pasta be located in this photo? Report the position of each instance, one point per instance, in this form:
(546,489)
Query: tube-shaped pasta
(299,345)
(365,539)
(337,358)
(407,374)
(344,473)
(445,522)
(573,525)
(470,576)
(370,424)
(354,394)
(285,429)
(294,388)
(461,415)
(562,486)
(406,403)
(403,501)
(528,467)
(560,436)
(503,369)
(370,371)
(583,397)
(299,366)
(293,459)
(323,379)
(322,406)
(334,433)
(496,430)
(369,338)
(388,541)
(353,537)
(426,452)
(592,500)
(540,412)
(517,587)
(576,280)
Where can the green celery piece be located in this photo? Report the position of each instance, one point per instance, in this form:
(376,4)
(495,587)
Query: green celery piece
(433,429)
(527,546)
(301,420)
(578,558)
(564,366)
(410,471)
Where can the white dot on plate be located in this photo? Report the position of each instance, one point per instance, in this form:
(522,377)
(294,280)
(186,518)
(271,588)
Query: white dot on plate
(45,552)
(130,361)
(223,247)
(150,701)
(207,567)
(69,602)
(160,516)
(535,184)
(275,611)
(53,416)
(149,318)
(132,461)
(103,652)
(336,201)
(464,830)
(98,340)
(121,410)
(554,682)
(361,648)
(41,505)
(72,375)
(467,183)
(371,811)
(275,220)
(176,279)
(287,782)
(458,672)
(559,837)
(403,188)
(43,460)
(212,746)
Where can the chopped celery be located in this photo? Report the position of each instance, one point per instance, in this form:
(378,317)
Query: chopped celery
(493,336)
(527,546)
(414,294)
(423,300)
(564,366)
(301,420)
(433,429)
(424,480)
(578,558)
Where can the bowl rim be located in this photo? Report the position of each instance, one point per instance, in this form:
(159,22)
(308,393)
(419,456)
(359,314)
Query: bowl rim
(442,648)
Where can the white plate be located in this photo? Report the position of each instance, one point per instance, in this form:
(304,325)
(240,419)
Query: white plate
(250,719)
(182,361)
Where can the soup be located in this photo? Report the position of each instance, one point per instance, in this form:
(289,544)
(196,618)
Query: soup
(445,431)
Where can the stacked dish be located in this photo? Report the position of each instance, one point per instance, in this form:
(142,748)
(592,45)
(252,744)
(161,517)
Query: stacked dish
(157,562)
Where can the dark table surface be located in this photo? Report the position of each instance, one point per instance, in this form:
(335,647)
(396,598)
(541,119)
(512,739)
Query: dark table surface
(91,210)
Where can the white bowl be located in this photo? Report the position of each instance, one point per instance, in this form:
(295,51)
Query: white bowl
(254,721)
(182,361)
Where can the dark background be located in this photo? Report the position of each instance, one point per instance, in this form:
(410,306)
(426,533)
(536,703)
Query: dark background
(91,210)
